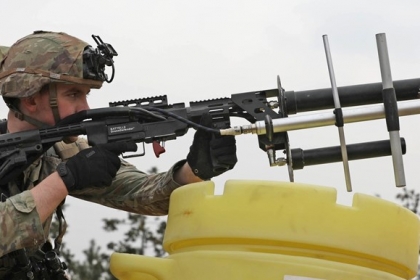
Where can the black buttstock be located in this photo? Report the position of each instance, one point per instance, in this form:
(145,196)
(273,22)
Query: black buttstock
(18,151)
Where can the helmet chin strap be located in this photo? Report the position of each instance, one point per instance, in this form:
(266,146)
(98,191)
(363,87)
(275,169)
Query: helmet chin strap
(19,115)
(53,101)
(53,104)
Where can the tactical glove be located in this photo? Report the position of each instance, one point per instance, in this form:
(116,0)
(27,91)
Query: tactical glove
(211,155)
(95,166)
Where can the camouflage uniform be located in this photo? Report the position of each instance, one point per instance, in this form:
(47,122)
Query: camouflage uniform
(131,190)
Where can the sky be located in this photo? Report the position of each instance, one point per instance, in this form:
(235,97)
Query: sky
(198,50)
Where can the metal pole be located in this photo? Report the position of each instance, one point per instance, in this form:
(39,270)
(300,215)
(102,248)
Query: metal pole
(305,121)
(391,110)
(338,114)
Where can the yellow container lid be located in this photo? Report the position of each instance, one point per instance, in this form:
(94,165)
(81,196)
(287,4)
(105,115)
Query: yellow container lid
(294,219)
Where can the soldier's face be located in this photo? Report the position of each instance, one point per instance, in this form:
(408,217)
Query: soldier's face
(70,99)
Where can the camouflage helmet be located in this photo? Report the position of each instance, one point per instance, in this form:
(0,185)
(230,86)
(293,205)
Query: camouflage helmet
(3,51)
(42,58)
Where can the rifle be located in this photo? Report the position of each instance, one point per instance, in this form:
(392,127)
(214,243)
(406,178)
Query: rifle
(154,120)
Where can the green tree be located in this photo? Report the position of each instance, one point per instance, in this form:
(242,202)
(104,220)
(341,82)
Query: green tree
(410,199)
(143,237)
(94,266)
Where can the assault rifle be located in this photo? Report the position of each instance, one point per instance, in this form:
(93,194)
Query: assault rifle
(154,120)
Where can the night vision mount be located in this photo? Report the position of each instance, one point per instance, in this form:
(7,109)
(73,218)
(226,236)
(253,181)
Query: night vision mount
(95,60)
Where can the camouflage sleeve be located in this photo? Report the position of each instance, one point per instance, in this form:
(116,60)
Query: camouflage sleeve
(20,223)
(135,191)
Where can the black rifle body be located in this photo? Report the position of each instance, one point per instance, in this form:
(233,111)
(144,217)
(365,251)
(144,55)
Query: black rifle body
(154,119)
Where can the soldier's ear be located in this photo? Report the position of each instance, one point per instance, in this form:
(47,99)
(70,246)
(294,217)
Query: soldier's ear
(28,104)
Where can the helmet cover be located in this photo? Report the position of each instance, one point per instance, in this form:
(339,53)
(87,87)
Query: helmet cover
(42,58)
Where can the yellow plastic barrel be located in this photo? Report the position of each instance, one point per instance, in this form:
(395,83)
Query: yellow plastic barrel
(278,231)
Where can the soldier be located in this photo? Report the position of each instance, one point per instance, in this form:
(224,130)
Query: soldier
(45,77)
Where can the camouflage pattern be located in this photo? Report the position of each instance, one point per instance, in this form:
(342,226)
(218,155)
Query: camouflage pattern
(21,226)
(135,191)
(3,51)
(41,58)
(131,190)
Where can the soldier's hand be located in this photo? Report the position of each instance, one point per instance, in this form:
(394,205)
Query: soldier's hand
(211,155)
(93,167)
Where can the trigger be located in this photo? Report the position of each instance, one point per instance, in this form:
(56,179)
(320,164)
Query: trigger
(157,148)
